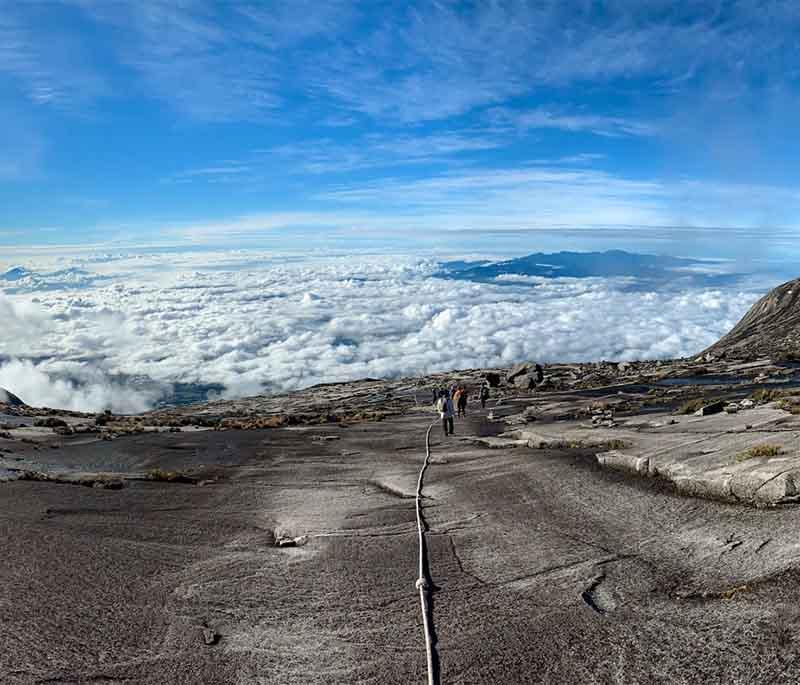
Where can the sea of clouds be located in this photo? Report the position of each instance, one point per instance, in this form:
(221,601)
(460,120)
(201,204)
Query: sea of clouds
(257,323)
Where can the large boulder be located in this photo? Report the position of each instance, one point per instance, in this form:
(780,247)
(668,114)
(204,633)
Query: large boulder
(519,370)
(526,381)
(526,375)
(10,399)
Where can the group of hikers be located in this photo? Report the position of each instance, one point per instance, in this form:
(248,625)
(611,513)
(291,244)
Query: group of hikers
(449,401)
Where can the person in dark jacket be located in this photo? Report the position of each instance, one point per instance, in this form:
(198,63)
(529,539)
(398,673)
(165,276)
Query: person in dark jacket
(484,395)
(462,401)
(444,405)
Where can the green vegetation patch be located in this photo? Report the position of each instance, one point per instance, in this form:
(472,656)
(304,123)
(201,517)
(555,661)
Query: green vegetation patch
(615,445)
(765,395)
(163,476)
(757,451)
(691,406)
(792,405)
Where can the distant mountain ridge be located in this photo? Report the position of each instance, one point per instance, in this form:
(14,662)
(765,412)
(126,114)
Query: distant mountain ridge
(609,264)
(21,279)
(15,273)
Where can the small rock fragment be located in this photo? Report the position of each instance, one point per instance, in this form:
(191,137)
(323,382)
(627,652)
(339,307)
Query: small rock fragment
(292,542)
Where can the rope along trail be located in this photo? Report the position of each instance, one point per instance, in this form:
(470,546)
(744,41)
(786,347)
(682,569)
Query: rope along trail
(424,584)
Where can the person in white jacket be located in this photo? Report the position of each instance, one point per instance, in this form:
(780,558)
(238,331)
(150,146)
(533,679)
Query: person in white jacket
(444,405)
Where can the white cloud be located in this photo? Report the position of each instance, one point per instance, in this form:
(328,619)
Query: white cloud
(85,389)
(543,196)
(558,118)
(283,326)
(23,323)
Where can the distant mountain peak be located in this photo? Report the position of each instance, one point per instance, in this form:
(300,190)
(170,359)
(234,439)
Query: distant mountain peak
(15,273)
(611,263)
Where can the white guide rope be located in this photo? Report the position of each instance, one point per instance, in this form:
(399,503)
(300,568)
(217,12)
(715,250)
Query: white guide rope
(423,580)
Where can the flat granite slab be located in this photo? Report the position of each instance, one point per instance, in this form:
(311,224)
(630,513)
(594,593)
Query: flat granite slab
(705,456)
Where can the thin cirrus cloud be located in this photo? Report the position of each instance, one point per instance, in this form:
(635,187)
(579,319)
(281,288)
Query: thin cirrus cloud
(572,195)
(279,326)
(417,62)
(214,62)
(601,125)
(328,156)
(453,108)
(49,65)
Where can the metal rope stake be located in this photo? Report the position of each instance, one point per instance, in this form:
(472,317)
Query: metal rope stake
(424,584)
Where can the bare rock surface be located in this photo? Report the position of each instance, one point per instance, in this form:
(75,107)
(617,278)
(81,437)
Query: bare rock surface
(533,552)
(584,531)
(770,328)
(708,455)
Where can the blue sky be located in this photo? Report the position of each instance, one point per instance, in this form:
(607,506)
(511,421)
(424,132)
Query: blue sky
(200,123)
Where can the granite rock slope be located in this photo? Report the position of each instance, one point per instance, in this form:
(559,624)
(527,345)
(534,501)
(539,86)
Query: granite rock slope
(770,329)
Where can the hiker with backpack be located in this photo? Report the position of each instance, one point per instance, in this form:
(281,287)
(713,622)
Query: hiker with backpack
(444,405)
(484,395)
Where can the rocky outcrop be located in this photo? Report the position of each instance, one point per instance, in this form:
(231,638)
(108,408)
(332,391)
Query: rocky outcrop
(525,375)
(10,399)
(518,370)
(770,329)
(527,381)
(746,457)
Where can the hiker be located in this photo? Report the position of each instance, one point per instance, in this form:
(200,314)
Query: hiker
(462,401)
(539,373)
(444,406)
(457,399)
(484,395)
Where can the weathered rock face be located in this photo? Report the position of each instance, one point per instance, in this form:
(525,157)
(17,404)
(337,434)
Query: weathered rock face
(518,370)
(9,398)
(525,375)
(527,381)
(720,456)
(771,327)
